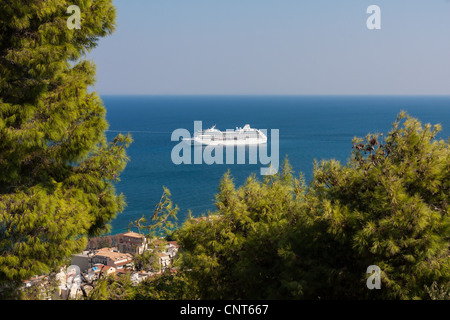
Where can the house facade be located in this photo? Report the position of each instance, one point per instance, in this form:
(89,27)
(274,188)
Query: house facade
(133,243)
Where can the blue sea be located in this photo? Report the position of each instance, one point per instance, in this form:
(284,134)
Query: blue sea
(310,127)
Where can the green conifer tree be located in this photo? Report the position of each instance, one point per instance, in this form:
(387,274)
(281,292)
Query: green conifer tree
(387,207)
(57,168)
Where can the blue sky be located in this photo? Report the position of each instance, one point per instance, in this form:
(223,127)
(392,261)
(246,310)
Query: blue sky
(235,47)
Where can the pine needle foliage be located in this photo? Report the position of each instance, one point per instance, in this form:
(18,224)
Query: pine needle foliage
(57,169)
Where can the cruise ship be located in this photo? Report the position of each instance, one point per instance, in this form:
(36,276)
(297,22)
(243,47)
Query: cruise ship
(240,136)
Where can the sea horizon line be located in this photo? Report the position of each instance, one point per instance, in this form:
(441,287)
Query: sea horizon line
(275,95)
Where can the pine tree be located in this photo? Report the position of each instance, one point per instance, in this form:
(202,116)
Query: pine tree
(241,251)
(57,168)
(387,207)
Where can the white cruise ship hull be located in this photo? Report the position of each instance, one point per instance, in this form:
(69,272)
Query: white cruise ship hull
(241,136)
(229,142)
